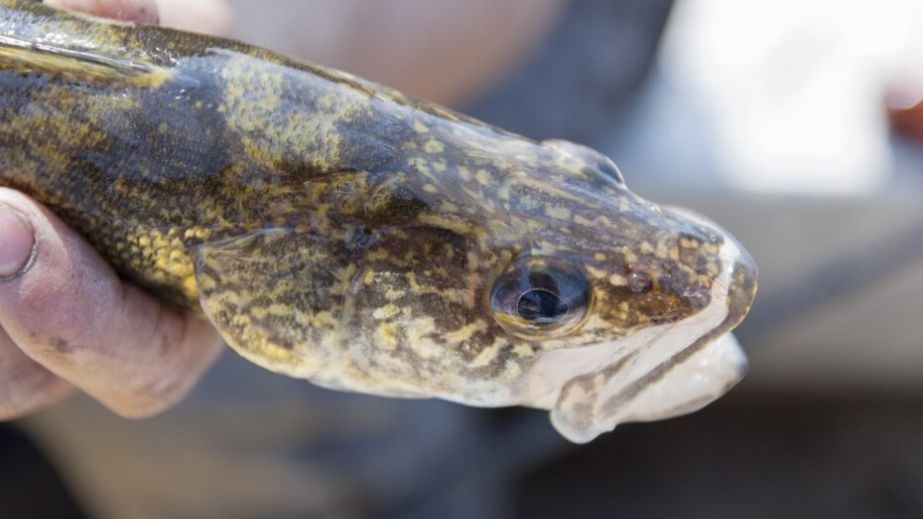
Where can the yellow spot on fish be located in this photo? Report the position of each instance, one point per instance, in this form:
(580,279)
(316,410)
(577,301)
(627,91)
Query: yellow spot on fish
(416,337)
(630,256)
(558,212)
(595,273)
(618,280)
(486,355)
(387,336)
(459,226)
(662,251)
(433,146)
(393,294)
(512,370)
(189,287)
(466,332)
(369,277)
(386,312)
(523,351)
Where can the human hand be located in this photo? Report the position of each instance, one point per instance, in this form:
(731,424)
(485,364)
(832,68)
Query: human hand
(66,320)
(206,16)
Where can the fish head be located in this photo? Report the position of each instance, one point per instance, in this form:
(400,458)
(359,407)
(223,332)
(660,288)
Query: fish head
(584,298)
(488,269)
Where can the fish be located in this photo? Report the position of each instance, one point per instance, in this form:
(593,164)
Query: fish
(336,230)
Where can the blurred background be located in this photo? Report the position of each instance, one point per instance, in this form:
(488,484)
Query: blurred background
(797,125)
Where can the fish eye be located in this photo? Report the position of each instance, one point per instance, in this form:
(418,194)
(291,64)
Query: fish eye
(539,295)
(539,305)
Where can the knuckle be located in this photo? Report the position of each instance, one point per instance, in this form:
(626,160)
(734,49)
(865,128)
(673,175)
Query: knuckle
(42,307)
(58,316)
(170,382)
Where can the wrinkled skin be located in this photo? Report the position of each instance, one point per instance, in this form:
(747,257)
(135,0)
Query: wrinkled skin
(333,229)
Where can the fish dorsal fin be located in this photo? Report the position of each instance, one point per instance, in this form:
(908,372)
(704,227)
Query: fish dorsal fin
(78,64)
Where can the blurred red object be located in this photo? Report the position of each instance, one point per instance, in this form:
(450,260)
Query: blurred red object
(905,111)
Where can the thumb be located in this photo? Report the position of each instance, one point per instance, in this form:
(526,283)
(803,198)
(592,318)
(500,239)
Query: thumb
(65,308)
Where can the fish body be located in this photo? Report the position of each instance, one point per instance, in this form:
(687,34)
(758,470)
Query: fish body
(335,230)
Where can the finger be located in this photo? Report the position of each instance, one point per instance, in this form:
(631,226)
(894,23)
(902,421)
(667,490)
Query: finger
(205,16)
(68,311)
(25,386)
(140,11)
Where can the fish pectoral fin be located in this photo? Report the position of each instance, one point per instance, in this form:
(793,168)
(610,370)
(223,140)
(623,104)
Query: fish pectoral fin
(78,64)
(274,295)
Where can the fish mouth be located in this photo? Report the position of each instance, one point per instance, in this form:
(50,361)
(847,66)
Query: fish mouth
(655,373)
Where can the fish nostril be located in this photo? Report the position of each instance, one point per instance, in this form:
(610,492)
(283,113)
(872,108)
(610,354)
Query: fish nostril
(639,281)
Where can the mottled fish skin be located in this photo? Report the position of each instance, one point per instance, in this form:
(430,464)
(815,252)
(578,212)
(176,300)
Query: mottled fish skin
(335,230)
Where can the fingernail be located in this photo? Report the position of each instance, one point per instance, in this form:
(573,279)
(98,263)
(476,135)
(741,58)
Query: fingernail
(16,243)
